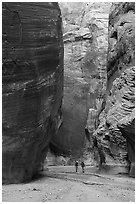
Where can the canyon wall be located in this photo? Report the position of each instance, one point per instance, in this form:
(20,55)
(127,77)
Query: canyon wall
(116,132)
(85,34)
(32,77)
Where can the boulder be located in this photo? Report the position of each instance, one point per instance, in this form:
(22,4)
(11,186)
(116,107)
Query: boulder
(32,77)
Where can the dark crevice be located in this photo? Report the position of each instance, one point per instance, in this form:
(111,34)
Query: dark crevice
(114,35)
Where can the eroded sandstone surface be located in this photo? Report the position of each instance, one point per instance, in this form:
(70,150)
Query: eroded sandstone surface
(99,84)
(32,77)
(85,34)
(116,132)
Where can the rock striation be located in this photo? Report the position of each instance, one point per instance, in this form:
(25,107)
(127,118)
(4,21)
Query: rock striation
(116,132)
(32,77)
(85,30)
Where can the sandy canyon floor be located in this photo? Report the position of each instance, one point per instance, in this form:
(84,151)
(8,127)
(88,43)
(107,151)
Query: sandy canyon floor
(63,184)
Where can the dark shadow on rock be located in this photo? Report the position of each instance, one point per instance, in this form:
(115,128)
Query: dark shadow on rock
(38,176)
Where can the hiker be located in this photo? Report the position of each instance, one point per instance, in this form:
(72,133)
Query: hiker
(76,165)
(82,165)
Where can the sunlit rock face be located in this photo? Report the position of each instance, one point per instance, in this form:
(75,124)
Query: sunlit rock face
(85,31)
(32,77)
(117,128)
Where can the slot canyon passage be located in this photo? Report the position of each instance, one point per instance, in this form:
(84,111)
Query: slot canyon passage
(68,93)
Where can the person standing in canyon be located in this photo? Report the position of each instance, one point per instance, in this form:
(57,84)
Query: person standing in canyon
(83,166)
(76,165)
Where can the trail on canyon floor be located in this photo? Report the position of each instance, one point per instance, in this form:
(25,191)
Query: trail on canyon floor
(63,184)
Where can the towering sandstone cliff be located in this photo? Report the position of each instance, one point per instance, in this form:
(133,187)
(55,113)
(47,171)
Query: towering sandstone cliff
(85,33)
(99,58)
(116,132)
(121,71)
(32,77)
(99,80)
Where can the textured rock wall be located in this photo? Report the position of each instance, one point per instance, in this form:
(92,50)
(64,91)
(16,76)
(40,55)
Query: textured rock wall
(32,77)
(118,117)
(121,61)
(85,48)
